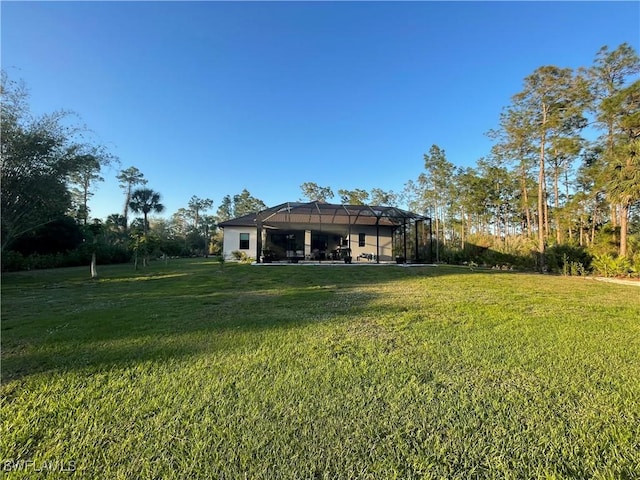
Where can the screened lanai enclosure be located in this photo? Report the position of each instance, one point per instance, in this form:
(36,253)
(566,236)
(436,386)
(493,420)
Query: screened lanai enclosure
(320,231)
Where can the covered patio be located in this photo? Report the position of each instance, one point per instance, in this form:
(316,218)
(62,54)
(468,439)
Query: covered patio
(320,231)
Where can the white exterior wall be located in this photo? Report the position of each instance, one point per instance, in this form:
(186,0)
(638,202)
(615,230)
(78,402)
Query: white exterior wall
(231,241)
(385,245)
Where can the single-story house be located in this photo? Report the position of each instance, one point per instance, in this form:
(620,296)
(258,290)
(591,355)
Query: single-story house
(296,231)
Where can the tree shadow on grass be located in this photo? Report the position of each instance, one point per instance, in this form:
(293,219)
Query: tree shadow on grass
(170,313)
(213,323)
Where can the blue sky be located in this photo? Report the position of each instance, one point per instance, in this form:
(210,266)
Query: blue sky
(208,98)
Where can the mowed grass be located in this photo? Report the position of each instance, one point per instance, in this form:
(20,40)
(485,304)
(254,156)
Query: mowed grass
(190,370)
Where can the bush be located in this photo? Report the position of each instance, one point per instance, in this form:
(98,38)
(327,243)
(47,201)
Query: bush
(567,258)
(241,257)
(15,261)
(609,266)
(59,236)
(105,254)
(635,265)
(12,261)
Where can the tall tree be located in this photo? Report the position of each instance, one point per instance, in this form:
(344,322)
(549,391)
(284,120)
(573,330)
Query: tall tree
(82,180)
(128,179)
(467,183)
(315,193)
(610,73)
(377,196)
(225,210)
(613,107)
(353,197)
(180,225)
(492,180)
(514,146)
(551,98)
(38,156)
(114,229)
(436,183)
(210,230)
(564,150)
(624,160)
(145,201)
(196,207)
(412,197)
(240,204)
(244,203)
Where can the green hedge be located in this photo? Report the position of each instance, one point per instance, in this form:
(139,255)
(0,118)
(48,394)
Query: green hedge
(105,254)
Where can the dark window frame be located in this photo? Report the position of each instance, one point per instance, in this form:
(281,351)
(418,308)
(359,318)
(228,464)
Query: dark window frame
(362,239)
(244,241)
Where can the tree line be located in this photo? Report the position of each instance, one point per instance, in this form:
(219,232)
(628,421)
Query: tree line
(562,177)
(564,169)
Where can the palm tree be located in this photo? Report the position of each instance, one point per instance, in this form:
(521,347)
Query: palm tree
(128,178)
(624,185)
(624,155)
(145,200)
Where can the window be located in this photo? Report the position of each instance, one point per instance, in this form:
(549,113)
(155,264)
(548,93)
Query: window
(362,239)
(244,241)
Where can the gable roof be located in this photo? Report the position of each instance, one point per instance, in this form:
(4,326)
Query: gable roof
(248,220)
(324,213)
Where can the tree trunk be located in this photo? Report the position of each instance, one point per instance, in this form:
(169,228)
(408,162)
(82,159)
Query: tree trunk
(541,198)
(624,220)
(581,232)
(437,215)
(593,226)
(525,198)
(125,211)
(145,245)
(462,225)
(547,229)
(94,271)
(85,202)
(556,201)
(444,230)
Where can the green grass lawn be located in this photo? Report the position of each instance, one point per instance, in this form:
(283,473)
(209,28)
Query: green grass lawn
(190,370)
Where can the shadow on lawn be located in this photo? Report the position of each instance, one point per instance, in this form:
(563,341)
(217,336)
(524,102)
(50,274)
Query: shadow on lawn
(168,315)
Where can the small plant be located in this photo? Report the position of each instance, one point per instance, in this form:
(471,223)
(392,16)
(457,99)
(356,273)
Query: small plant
(238,255)
(577,269)
(241,257)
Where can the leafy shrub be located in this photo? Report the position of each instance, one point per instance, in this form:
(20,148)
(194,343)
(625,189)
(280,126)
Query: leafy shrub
(105,254)
(635,265)
(491,251)
(241,257)
(565,258)
(15,261)
(59,236)
(577,269)
(12,261)
(609,266)
(606,241)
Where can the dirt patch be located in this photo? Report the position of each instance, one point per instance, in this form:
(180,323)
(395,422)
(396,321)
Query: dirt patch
(622,281)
